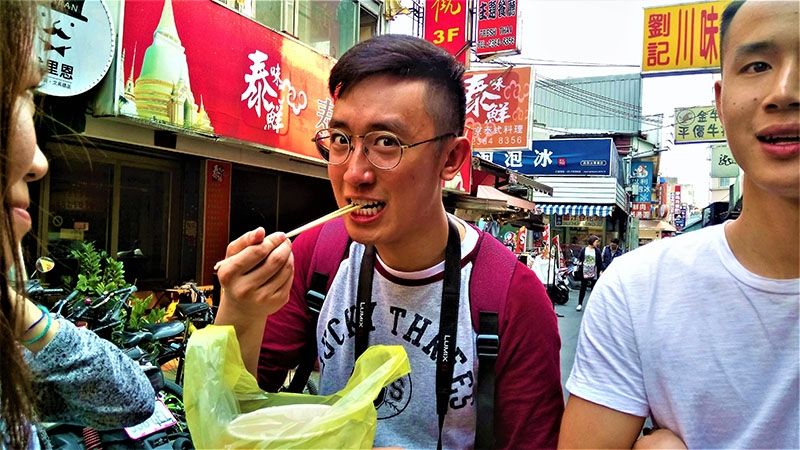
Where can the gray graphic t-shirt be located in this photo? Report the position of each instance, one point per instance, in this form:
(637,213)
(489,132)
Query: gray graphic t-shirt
(405,311)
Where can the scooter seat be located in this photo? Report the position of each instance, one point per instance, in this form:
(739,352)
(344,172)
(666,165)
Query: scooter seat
(165,330)
(133,338)
(193,309)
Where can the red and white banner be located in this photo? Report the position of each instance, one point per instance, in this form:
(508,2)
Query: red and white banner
(498,108)
(446,26)
(201,66)
(497,27)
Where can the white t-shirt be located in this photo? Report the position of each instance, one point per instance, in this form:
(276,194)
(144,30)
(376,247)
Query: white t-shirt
(681,330)
(406,308)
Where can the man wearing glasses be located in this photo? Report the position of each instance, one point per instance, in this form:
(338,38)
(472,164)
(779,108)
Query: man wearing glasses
(395,135)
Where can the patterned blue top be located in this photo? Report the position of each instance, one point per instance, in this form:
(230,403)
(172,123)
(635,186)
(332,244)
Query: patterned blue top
(79,378)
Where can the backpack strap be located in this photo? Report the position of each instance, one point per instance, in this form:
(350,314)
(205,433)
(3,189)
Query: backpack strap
(330,249)
(489,284)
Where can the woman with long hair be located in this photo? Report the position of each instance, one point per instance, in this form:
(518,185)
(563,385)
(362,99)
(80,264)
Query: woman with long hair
(49,370)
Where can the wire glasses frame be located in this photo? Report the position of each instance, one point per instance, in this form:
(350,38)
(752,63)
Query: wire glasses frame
(382,148)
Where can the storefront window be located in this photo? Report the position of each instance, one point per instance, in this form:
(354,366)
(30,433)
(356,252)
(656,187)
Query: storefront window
(121,205)
(143,217)
(368,25)
(328,26)
(317,25)
(80,205)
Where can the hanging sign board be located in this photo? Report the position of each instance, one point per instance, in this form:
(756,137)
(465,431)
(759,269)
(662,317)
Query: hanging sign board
(682,37)
(78,45)
(497,27)
(698,124)
(446,26)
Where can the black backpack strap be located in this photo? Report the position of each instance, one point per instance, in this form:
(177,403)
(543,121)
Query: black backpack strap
(330,249)
(488,343)
(315,296)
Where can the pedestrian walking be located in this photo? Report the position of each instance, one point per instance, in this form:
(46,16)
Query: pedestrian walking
(611,251)
(591,265)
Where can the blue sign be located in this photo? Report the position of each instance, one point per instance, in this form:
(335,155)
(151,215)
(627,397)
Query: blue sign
(642,174)
(597,157)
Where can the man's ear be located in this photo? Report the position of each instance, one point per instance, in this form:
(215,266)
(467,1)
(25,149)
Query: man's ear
(717,101)
(456,153)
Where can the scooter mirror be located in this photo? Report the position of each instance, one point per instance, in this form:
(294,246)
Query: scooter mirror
(45,264)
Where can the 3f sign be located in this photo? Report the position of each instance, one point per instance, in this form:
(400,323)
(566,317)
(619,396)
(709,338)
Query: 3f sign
(439,35)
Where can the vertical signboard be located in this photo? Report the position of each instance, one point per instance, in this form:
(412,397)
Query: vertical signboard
(498,107)
(497,27)
(216,221)
(677,216)
(682,37)
(446,26)
(643,179)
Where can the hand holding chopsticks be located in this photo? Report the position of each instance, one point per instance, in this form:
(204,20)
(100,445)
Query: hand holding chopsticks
(339,212)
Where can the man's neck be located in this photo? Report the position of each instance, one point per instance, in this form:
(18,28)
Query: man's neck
(765,238)
(422,250)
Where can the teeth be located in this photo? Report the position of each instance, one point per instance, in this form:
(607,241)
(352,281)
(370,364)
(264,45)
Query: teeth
(779,138)
(369,208)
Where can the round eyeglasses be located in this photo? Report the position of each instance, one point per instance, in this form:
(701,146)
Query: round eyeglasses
(382,148)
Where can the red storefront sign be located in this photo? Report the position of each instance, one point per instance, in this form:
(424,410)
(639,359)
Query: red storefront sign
(641,210)
(497,27)
(217,217)
(200,66)
(498,107)
(446,25)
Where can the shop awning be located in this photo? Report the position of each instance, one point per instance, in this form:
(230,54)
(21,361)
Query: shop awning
(656,225)
(513,177)
(575,210)
(494,194)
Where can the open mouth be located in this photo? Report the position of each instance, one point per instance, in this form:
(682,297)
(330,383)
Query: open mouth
(368,208)
(778,140)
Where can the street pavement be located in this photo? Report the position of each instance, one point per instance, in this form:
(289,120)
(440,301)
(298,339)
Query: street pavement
(568,327)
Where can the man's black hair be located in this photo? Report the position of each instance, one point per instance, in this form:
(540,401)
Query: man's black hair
(615,241)
(725,24)
(408,57)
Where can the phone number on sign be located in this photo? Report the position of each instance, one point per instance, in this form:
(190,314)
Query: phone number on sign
(506,140)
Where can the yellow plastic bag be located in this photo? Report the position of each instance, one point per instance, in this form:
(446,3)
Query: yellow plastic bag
(219,393)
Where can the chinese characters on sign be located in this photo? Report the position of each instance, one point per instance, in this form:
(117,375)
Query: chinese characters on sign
(446,25)
(268,91)
(272,91)
(679,210)
(641,210)
(580,221)
(722,163)
(78,42)
(559,157)
(216,221)
(698,124)
(643,180)
(497,27)
(682,36)
(498,106)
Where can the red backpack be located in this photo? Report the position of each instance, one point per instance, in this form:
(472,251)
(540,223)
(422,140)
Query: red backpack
(488,290)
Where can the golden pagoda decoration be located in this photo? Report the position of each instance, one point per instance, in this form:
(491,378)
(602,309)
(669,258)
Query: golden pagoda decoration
(162,92)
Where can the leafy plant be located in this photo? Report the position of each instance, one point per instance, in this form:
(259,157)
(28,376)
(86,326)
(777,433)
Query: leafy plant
(141,316)
(99,272)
